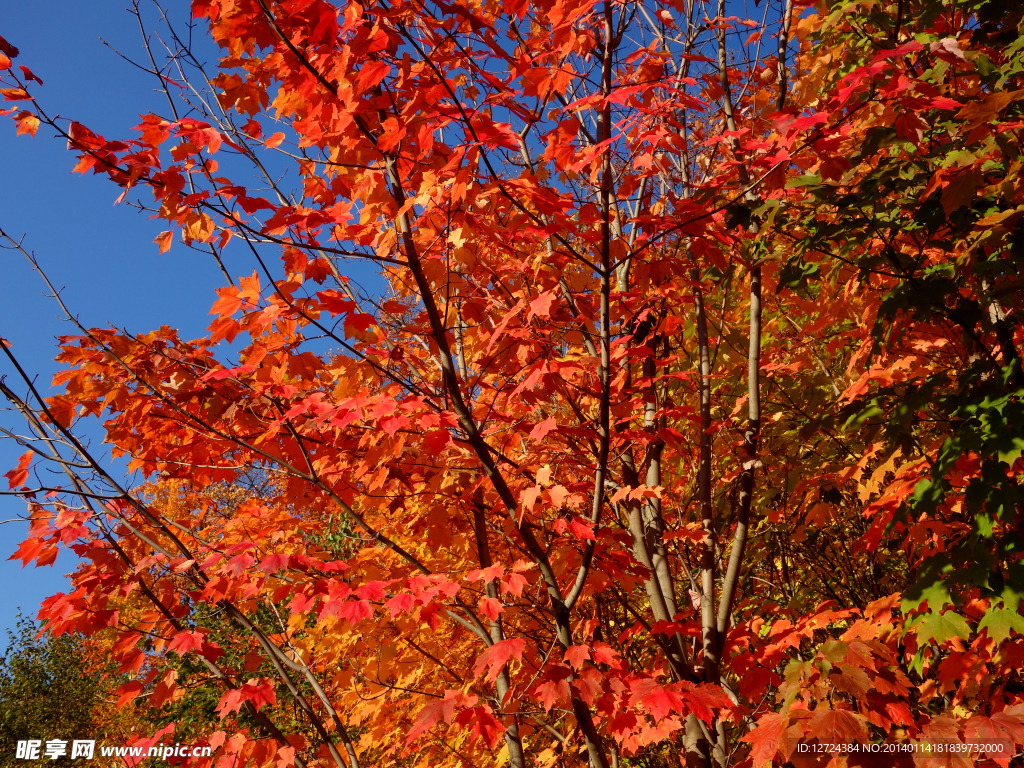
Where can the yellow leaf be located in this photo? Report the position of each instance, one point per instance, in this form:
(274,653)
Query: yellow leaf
(198,226)
(457,237)
(544,475)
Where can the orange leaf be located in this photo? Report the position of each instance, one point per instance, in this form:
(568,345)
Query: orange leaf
(27,123)
(163,240)
(960,190)
(766,738)
(17,477)
(838,726)
(576,655)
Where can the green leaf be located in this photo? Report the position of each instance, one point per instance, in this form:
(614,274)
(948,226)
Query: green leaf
(803,181)
(835,650)
(795,274)
(942,627)
(983,64)
(917,663)
(935,594)
(999,622)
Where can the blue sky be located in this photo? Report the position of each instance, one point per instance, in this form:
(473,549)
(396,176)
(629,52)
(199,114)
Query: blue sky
(102,254)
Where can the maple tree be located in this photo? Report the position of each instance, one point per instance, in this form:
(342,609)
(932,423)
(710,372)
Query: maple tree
(682,422)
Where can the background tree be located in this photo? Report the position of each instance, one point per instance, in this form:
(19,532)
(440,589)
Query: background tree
(51,688)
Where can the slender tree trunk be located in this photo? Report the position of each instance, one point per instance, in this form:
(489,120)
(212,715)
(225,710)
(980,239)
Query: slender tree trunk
(513,741)
(709,638)
(748,458)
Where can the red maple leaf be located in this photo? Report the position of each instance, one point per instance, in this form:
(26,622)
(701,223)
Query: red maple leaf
(498,655)
(17,476)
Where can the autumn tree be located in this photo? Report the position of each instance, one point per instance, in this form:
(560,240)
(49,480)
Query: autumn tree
(680,422)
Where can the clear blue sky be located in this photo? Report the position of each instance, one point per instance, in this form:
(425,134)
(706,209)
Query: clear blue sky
(103,254)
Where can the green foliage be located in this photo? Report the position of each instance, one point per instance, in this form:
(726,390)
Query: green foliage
(47,690)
